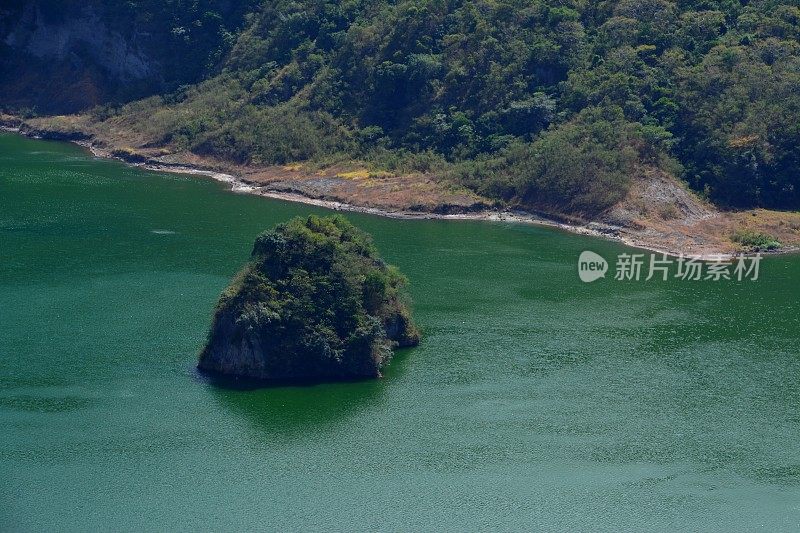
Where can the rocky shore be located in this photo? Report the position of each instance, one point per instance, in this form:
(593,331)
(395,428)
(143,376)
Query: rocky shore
(660,214)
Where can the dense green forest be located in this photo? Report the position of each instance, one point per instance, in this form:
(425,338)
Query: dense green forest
(550,102)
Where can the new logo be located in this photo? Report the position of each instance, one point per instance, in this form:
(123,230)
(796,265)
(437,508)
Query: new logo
(591,267)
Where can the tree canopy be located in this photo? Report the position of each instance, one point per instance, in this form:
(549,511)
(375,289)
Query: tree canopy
(501,93)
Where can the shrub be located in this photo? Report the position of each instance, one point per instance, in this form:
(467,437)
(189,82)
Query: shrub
(755,241)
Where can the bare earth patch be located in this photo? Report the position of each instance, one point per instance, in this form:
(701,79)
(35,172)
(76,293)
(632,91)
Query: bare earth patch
(660,213)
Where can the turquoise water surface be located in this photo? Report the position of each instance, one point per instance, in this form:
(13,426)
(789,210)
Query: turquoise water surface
(534,402)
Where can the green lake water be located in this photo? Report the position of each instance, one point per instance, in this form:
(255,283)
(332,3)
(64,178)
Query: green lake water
(534,402)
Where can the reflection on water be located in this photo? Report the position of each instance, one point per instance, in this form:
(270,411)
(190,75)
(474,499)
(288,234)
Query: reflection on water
(293,409)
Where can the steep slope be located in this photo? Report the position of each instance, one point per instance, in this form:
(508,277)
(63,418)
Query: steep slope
(70,55)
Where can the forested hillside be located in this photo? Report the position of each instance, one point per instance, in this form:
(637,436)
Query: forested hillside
(554,103)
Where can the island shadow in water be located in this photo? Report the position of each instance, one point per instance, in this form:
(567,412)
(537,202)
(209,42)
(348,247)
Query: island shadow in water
(289,410)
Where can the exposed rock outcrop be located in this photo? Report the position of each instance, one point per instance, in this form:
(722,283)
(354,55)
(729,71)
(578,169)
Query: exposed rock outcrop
(86,33)
(314,303)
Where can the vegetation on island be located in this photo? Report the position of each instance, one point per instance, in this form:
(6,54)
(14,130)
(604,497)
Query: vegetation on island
(553,104)
(315,302)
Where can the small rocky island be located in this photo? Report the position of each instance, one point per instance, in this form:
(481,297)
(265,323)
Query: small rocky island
(315,303)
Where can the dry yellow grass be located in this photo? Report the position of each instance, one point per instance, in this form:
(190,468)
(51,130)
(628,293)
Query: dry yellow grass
(360,174)
(363,174)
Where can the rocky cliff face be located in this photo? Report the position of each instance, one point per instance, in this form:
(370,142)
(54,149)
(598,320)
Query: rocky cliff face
(251,354)
(63,56)
(81,37)
(71,62)
(230,353)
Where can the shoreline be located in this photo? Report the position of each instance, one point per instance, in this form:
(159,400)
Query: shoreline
(512,216)
(241,186)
